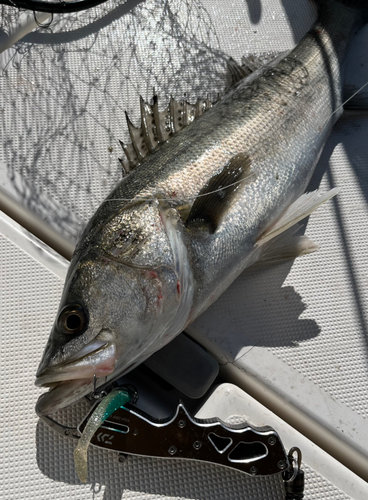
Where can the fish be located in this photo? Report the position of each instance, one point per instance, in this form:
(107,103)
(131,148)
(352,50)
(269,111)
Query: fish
(210,191)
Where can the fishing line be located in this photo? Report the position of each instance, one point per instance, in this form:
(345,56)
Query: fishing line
(229,185)
(347,100)
(190,198)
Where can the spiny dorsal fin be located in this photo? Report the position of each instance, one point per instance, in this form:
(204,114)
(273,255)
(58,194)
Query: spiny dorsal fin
(158,126)
(130,159)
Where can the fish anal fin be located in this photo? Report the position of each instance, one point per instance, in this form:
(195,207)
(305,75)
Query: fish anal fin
(286,246)
(301,208)
(213,200)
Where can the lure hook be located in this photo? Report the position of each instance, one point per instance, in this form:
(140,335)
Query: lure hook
(95,394)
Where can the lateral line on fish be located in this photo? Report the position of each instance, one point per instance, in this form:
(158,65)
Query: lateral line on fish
(176,199)
(229,185)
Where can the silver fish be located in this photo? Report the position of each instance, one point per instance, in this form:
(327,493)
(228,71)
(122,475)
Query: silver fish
(200,208)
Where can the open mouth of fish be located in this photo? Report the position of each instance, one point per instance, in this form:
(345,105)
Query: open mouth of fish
(73,379)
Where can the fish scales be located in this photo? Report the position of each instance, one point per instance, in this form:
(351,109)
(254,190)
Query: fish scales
(148,262)
(280,117)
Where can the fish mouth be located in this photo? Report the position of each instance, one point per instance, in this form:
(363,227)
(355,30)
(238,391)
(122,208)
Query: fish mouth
(62,395)
(97,358)
(72,380)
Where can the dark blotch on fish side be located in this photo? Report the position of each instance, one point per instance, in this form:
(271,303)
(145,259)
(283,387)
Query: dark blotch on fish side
(214,199)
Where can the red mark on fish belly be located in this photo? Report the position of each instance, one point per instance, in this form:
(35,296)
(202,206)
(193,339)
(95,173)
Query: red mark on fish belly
(178,287)
(154,275)
(159,300)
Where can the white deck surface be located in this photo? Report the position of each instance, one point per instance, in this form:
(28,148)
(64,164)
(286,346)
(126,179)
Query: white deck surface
(300,327)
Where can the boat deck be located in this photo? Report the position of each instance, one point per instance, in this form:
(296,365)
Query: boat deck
(293,336)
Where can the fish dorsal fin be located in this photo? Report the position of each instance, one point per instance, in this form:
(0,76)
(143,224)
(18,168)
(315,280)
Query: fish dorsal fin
(213,200)
(249,64)
(236,71)
(158,126)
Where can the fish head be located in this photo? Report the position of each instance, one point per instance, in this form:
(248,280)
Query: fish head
(126,295)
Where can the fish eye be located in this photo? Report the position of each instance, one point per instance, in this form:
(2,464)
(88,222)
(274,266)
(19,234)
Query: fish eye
(73,319)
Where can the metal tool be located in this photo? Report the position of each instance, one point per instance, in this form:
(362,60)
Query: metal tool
(256,451)
(253,450)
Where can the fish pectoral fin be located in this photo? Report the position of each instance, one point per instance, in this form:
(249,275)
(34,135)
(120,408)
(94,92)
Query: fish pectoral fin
(301,208)
(286,246)
(213,200)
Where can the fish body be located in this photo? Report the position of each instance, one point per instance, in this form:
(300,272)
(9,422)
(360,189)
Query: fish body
(175,233)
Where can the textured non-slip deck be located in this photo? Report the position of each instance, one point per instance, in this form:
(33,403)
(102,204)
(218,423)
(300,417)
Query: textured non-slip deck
(300,327)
